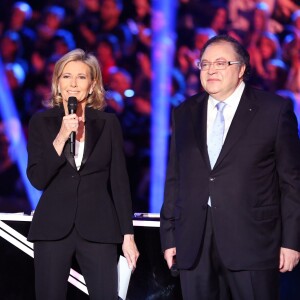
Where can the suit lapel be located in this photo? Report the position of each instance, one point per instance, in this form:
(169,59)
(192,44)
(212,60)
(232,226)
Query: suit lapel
(68,155)
(93,130)
(199,119)
(244,114)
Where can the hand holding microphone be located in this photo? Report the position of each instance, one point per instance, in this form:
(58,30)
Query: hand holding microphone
(68,128)
(72,107)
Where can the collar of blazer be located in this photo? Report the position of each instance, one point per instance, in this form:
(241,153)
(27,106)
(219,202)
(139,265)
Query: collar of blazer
(94,125)
(245,112)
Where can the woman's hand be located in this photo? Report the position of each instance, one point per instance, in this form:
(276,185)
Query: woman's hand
(69,123)
(130,251)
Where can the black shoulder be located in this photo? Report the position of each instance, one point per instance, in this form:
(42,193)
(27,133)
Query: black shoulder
(45,113)
(191,101)
(95,113)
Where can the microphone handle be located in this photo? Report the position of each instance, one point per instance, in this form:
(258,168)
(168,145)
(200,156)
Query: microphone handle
(72,137)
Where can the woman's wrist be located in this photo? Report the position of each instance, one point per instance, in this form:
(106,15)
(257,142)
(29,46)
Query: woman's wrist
(59,140)
(128,237)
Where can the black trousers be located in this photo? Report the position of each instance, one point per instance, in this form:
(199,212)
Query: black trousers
(98,263)
(211,280)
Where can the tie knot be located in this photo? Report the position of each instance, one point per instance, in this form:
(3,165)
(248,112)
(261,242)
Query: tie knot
(220,106)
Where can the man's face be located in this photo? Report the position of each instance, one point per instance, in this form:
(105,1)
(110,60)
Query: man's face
(220,84)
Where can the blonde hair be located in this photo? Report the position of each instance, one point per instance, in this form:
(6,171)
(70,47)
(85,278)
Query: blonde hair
(96,99)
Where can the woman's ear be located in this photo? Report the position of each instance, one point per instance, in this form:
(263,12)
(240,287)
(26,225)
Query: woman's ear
(92,88)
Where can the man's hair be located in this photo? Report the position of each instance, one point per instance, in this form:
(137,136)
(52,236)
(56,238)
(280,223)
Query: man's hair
(240,50)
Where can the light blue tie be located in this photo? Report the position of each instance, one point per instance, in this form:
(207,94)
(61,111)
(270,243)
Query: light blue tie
(215,141)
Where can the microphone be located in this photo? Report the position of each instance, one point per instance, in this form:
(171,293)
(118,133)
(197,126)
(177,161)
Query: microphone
(72,106)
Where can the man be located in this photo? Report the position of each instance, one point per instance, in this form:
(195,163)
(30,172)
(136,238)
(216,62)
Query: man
(231,213)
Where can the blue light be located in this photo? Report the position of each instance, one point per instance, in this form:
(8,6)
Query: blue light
(163,45)
(13,130)
(129,93)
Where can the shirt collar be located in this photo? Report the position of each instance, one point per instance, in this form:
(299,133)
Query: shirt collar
(233,100)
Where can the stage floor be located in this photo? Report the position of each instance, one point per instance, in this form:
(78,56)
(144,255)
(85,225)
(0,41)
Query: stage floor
(151,279)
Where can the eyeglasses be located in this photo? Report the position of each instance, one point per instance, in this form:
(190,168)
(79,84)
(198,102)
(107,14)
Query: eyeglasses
(218,65)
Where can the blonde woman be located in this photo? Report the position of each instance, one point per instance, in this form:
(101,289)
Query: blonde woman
(85,208)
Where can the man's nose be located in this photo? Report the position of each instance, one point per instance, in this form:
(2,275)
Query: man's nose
(211,68)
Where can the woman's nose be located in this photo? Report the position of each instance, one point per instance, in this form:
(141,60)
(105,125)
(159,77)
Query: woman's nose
(74,82)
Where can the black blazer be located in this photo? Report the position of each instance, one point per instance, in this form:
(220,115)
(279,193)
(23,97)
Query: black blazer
(96,198)
(254,185)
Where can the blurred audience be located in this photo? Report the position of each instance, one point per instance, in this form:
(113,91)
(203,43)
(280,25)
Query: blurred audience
(12,192)
(33,35)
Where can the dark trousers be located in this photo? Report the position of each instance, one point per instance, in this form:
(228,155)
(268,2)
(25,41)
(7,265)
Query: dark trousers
(211,280)
(52,262)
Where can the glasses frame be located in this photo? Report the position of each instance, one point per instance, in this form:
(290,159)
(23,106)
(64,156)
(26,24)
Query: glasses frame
(228,63)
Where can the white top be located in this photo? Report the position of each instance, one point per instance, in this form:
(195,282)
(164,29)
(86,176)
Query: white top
(79,148)
(232,103)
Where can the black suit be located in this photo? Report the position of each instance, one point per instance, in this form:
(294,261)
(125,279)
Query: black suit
(254,185)
(95,198)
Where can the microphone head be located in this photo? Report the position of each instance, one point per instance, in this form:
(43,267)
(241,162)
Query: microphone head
(72,104)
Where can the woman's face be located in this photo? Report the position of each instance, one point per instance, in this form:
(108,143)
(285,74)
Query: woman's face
(219,20)
(104,53)
(75,81)
(260,20)
(267,48)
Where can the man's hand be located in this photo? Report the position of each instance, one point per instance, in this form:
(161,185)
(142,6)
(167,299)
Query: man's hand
(169,256)
(288,259)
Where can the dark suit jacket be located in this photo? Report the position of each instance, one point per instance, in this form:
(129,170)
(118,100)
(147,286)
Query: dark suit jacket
(96,198)
(254,185)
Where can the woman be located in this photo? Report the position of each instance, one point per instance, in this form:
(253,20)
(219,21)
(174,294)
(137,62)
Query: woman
(85,208)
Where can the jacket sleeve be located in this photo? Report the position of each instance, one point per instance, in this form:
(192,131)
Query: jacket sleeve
(43,160)
(119,180)
(167,216)
(288,168)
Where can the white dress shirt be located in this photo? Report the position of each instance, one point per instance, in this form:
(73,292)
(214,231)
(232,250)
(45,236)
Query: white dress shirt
(79,148)
(229,110)
(232,103)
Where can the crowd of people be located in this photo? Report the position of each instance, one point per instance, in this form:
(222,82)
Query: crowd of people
(35,34)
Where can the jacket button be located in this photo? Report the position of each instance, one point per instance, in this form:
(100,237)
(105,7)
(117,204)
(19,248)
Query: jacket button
(212,179)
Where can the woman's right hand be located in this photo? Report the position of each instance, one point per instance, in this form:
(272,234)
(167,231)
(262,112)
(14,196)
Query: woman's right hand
(69,124)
